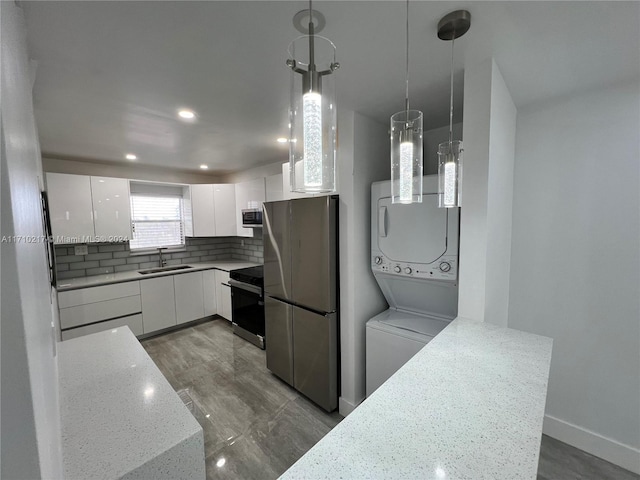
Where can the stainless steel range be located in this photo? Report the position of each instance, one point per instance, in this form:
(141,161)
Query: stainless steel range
(247,304)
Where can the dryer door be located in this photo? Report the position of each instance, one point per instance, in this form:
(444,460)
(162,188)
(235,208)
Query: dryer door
(415,233)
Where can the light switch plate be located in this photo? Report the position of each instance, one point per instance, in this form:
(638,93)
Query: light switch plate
(80,250)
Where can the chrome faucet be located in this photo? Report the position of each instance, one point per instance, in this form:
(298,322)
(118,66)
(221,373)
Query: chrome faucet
(161,261)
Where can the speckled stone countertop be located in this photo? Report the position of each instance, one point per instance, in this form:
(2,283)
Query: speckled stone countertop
(119,416)
(469,405)
(120,277)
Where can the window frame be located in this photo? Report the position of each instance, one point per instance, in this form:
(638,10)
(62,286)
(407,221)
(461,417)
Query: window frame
(166,248)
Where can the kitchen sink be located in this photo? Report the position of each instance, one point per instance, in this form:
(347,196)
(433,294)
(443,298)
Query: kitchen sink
(163,269)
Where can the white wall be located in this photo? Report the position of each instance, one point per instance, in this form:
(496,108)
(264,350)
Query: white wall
(363,158)
(30,430)
(431,139)
(502,139)
(575,268)
(487,187)
(257,172)
(125,170)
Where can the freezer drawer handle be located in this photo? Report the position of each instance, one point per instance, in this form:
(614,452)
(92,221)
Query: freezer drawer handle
(382,222)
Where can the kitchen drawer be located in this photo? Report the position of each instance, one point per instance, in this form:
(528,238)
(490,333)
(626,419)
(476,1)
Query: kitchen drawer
(134,322)
(95,312)
(83,296)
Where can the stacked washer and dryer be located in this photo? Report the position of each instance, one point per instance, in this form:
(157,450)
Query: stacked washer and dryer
(414,259)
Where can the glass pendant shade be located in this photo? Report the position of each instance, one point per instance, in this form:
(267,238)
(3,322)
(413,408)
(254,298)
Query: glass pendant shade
(406,157)
(312,117)
(449,174)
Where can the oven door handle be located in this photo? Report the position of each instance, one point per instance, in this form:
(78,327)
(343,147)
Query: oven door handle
(246,286)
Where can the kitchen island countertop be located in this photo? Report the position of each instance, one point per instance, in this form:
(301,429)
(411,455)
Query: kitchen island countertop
(120,277)
(469,405)
(119,416)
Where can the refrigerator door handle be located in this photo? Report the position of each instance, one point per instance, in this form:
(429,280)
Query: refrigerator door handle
(382,222)
(302,307)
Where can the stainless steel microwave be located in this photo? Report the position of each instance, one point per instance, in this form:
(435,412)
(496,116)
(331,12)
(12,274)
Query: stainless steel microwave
(252,218)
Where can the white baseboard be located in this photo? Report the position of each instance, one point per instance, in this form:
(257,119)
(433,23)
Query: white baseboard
(608,449)
(345,407)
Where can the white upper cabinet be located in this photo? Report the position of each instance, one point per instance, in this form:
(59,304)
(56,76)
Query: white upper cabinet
(249,194)
(70,207)
(88,209)
(212,211)
(224,201)
(111,209)
(274,188)
(203,211)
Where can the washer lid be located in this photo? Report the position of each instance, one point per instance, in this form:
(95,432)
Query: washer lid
(391,320)
(419,296)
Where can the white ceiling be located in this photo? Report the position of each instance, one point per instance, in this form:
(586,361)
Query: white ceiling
(111,75)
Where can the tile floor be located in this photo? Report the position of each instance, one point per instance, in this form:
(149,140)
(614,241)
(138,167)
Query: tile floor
(256,426)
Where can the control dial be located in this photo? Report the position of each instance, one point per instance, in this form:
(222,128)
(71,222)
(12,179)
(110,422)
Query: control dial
(445,267)
(397,269)
(378,260)
(408,270)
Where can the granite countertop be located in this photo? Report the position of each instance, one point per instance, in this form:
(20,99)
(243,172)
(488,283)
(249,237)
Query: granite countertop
(108,278)
(119,414)
(469,405)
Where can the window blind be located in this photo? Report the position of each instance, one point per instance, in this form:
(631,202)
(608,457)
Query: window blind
(157,221)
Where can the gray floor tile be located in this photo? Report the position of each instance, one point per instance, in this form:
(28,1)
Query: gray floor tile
(257,426)
(559,461)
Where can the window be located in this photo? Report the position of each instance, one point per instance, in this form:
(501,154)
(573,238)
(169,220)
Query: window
(157,218)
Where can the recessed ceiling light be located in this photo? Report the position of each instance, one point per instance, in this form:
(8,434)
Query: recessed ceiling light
(131,156)
(187,114)
(282,140)
(204,167)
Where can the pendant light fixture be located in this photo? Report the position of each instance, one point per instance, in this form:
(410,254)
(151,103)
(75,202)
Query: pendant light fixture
(450,27)
(312,113)
(406,146)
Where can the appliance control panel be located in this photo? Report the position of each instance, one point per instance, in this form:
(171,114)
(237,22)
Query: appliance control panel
(445,268)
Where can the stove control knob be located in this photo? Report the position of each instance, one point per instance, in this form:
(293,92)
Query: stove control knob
(397,269)
(408,270)
(445,267)
(378,260)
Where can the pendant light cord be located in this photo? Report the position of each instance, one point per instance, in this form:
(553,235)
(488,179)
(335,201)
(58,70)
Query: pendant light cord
(312,59)
(451,100)
(406,95)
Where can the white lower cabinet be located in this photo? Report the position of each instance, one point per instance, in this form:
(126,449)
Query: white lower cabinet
(209,289)
(158,303)
(189,297)
(223,291)
(164,301)
(134,322)
(96,312)
(94,309)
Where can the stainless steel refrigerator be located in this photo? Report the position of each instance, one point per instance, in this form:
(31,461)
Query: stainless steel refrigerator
(301,295)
